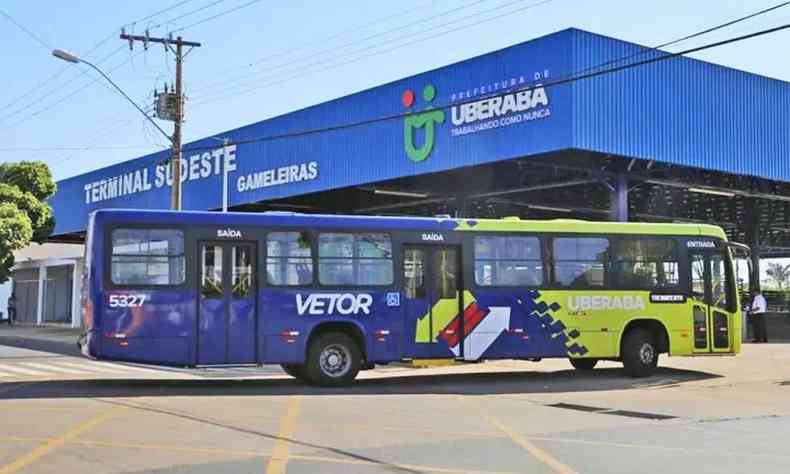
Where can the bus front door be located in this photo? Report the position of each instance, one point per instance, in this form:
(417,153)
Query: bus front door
(227,292)
(432,289)
(711,296)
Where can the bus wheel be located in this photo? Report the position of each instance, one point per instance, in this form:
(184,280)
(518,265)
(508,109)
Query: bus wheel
(333,360)
(583,364)
(296,371)
(639,353)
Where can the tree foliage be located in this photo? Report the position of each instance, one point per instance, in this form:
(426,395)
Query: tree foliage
(25,216)
(780,274)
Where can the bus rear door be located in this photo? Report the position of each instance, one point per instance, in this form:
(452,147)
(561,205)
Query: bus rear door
(432,280)
(226,312)
(712,301)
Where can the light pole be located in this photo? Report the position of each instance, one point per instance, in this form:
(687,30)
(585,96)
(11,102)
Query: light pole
(68,57)
(226,151)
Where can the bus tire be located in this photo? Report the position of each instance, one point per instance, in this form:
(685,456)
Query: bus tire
(639,353)
(296,371)
(333,360)
(583,364)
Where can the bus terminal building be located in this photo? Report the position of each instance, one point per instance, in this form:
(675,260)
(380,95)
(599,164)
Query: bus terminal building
(540,130)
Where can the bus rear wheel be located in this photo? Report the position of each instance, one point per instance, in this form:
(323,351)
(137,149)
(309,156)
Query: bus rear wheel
(639,353)
(297,371)
(333,360)
(583,364)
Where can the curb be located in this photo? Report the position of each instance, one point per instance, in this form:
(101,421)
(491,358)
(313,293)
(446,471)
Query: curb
(44,345)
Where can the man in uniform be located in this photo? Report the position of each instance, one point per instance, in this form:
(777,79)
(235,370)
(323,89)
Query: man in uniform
(757,316)
(11,306)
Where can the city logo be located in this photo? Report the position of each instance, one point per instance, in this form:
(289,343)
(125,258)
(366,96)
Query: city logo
(426,120)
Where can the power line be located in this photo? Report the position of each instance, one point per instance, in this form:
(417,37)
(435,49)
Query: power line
(72,148)
(322,41)
(32,35)
(189,13)
(723,25)
(68,96)
(52,91)
(101,135)
(720,26)
(226,92)
(40,85)
(347,44)
(164,10)
(566,80)
(220,14)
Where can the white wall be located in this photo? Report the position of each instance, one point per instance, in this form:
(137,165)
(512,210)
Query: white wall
(49,254)
(43,251)
(5,292)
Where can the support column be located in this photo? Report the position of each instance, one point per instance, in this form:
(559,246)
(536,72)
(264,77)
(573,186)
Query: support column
(753,236)
(460,206)
(76,295)
(42,297)
(619,199)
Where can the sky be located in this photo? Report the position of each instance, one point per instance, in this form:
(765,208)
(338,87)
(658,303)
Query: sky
(265,58)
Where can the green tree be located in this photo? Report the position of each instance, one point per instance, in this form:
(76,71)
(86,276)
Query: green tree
(779,274)
(25,215)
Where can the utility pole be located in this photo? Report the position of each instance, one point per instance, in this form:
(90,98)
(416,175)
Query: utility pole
(177,114)
(175,201)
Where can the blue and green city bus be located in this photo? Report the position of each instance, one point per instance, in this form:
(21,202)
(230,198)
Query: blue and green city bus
(326,296)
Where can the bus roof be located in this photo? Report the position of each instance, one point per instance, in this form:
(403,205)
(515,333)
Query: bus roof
(439,223)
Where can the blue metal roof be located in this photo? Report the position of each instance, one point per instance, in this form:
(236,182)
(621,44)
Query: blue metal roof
(681,111)
(678,111)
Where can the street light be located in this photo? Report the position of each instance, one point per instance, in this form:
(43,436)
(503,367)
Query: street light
(71,58)
(225,143)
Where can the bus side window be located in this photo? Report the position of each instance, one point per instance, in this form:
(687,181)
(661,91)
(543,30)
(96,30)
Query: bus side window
(646,263)
(289,260)
(508,261)
(581,262)
(359,259)
(147,257)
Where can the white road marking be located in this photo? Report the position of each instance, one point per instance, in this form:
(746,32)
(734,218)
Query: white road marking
(53,367)
(103,368)
(21,370)
(120,367)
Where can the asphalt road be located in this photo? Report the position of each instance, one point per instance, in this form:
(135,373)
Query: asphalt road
(71,415)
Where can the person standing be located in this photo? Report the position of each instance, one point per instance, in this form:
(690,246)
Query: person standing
(757,315)
(11,307)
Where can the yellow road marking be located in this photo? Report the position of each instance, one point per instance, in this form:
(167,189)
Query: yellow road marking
(410,467)
(54,443)
(279,458)
(543,456)
(235,452)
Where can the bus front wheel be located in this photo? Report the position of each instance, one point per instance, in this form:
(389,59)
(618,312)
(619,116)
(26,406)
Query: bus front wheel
(296,371)
(333,359)
(583,364)
(639,353)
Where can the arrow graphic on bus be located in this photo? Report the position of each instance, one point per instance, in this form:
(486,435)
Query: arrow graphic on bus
(481,327)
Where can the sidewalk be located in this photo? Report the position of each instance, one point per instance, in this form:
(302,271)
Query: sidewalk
(48,339)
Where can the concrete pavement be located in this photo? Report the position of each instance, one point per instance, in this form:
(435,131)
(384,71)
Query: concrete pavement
(701,415)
